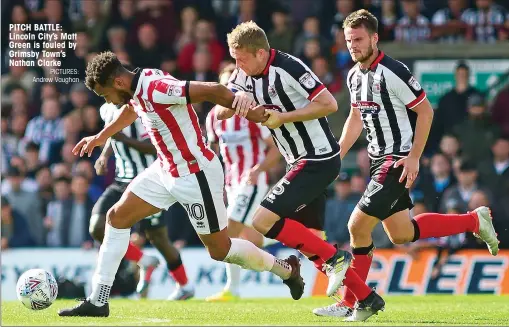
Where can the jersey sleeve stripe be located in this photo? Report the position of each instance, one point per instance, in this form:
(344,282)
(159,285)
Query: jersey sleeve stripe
(186,91)
(316,92)
(417,101)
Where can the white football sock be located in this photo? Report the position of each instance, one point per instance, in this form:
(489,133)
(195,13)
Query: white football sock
(249,256)
(112,251)
(233,278)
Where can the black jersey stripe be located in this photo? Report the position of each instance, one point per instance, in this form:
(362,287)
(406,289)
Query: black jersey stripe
(287,103)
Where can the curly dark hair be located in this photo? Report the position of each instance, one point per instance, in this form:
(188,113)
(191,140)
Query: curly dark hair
(102,69)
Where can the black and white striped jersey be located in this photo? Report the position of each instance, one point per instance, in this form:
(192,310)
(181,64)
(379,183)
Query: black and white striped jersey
(129,162)
(288,84)
(384,94)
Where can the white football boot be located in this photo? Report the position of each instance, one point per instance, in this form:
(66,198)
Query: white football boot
(486,229)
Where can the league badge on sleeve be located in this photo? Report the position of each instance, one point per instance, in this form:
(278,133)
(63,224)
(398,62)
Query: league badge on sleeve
(307,80)
(413,82)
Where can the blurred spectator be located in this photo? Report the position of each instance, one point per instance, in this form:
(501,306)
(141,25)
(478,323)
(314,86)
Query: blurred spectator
(413,27)
(201,67)
(32,159)
(310,31)
(312,50)
(9,142)
(78,96)
(359,183)
(68,216)
(450,146)
(341,55)
(499,112)
(117,38)
(363,163)
(72,126)
(459,195)
(204,39)
(485,22)
(46,130)
(452,107)
(17,76)
(67,156)
(15,230)
(320,67)
(343,9)
(480,198)
(188,19)
(93,22)
(160,14)
(447,24)
(91,122)
(45,189)
(494,172)
(61,170)
(20,102)
(476,134)
(86,169)
(54,14)
(388,20)
(27,203)
(299,10)
(282,34)
(436,181)
(338,210)
(17,167)
(124,14)
(150,49)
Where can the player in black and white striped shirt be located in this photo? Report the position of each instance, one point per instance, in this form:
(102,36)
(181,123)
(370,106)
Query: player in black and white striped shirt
(393,108)
(133,154)
(297,103)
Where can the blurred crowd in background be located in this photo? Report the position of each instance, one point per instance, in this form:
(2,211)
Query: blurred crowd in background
(45,187)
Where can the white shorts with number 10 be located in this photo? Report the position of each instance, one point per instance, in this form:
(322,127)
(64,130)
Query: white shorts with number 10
(201,194)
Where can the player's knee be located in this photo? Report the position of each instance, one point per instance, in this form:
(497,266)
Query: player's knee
(96,227)
(356,229)
(114,218)
(399,238)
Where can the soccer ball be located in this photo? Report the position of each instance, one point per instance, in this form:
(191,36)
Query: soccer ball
(37,289)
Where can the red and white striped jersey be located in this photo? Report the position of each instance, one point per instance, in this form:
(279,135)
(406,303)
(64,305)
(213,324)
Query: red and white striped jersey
(162,102)
(241,143)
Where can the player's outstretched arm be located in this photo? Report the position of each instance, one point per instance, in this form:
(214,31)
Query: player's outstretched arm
(87,144)
(220,95)
(322,105)
(351,131)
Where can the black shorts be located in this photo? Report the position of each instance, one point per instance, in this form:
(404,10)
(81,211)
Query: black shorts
(112,195)
(301,194)
(385,195)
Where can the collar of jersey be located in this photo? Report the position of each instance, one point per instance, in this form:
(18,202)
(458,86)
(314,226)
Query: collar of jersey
(136,78)
(269,62)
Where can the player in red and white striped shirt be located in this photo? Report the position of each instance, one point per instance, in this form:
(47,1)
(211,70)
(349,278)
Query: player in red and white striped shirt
(248,152)
(186,171)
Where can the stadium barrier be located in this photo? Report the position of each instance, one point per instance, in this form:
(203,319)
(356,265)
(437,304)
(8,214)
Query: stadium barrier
(393,272)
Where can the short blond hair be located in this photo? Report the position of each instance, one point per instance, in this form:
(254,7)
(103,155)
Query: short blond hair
(248,36)
(362,18)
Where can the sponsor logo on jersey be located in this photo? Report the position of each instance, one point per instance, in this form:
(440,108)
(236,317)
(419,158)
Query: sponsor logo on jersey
(367,107)
(307,80)
(414,84)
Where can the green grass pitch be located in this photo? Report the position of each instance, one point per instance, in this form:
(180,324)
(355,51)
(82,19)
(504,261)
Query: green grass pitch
(482,310)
